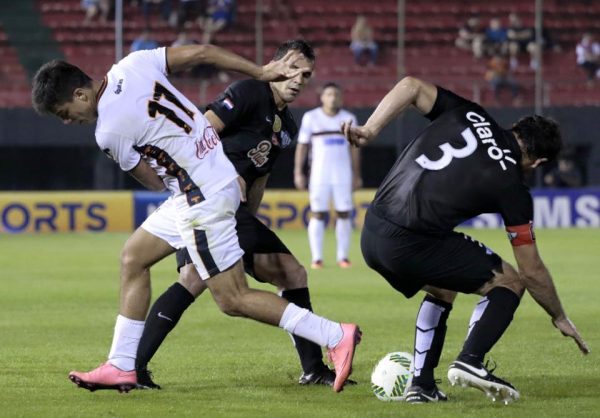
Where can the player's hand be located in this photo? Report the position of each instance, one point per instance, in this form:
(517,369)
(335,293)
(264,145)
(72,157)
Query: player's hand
(567,328)
(357,135)
(242,184)
(284,68)
(356,183)
(300,181)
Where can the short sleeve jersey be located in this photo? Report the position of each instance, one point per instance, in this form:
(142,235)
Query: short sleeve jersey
(255,130)
(462,165)
(331,158)
(141,115)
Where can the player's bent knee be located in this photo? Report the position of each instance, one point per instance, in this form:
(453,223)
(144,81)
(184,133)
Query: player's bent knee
(231,305)
(191,280)
(130,264)
(343,215)
(295,277)
(507,277)
(318,215)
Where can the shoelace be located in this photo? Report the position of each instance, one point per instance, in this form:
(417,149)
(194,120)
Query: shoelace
(490,366)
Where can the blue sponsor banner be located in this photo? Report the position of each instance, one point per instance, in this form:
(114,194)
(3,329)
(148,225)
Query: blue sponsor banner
(555,208)
(144,203)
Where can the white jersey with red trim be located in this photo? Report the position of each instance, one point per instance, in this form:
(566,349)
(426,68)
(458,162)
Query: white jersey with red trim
(141,115)
(331,158)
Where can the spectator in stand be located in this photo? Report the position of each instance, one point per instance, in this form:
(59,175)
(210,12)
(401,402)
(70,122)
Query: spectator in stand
(183,39)
(363,42)
(191,11)
(471,36)
(496,38)
(163,6)
(144,41)
(588,56)
(499,77)
(94,8)
(521,39)
(565,174)
(220,16)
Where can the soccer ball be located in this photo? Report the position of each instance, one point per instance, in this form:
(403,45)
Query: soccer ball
(392,376)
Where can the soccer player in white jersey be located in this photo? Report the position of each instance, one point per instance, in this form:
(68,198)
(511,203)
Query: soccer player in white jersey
(159,137)
(334,173)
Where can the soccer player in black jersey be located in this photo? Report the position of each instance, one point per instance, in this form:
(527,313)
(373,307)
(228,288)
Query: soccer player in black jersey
(255,124)
(463,164)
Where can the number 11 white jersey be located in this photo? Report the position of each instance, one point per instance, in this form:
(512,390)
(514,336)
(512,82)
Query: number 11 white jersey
(141,115)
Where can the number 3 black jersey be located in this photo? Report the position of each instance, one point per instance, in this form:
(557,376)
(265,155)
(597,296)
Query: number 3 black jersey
(255,130)
(463,164)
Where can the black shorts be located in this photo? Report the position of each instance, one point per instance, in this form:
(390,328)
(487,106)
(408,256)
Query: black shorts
(409,260)
(255,238)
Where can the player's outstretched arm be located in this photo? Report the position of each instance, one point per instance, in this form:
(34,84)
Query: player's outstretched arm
(186,57)
(256,193)
(408,91)
(540,285)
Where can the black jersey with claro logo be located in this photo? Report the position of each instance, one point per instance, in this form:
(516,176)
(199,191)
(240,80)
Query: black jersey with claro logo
(462,165)
(255,130)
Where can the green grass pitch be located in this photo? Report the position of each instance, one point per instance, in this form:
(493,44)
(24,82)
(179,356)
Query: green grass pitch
(59,300)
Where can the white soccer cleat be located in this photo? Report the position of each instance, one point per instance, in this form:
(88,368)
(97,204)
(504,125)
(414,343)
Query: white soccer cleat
(478,377)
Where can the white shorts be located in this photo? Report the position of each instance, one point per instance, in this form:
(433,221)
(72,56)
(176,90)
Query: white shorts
(207,229)
(321,194)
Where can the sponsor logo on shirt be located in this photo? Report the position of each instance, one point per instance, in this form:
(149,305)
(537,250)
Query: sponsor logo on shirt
(260,155)
(334,141)
(485,135)
(209,141)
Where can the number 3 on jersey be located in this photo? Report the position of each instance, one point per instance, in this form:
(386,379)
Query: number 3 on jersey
(154,107)
(449,152)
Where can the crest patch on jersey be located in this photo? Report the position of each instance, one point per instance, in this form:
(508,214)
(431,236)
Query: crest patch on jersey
(277,124)
(228,103)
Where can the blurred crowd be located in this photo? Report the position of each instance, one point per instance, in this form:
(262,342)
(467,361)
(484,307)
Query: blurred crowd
(210,16)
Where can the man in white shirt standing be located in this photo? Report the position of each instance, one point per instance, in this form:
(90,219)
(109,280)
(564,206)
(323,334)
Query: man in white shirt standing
(159,137)
(334,174)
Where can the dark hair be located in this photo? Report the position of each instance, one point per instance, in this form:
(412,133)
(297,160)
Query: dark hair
(331,84)
(295,45)
(54,83)
(540,136)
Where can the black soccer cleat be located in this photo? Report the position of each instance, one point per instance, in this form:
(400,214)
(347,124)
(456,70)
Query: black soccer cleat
(144,380)
(322,376)
(416,394)
(477,376)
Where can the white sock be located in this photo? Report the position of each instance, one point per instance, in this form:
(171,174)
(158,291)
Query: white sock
(316,230)
(343,230)
(126,339)
(477,312)
(428,319)
(305,324)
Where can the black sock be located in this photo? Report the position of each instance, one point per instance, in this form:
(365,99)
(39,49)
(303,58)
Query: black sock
(163,317)
(497,316)
(431,319)
(311,356)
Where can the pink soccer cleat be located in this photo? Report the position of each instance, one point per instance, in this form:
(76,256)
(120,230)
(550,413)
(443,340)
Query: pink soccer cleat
(106,376)
(344,263)
(316,265)
(343,353)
